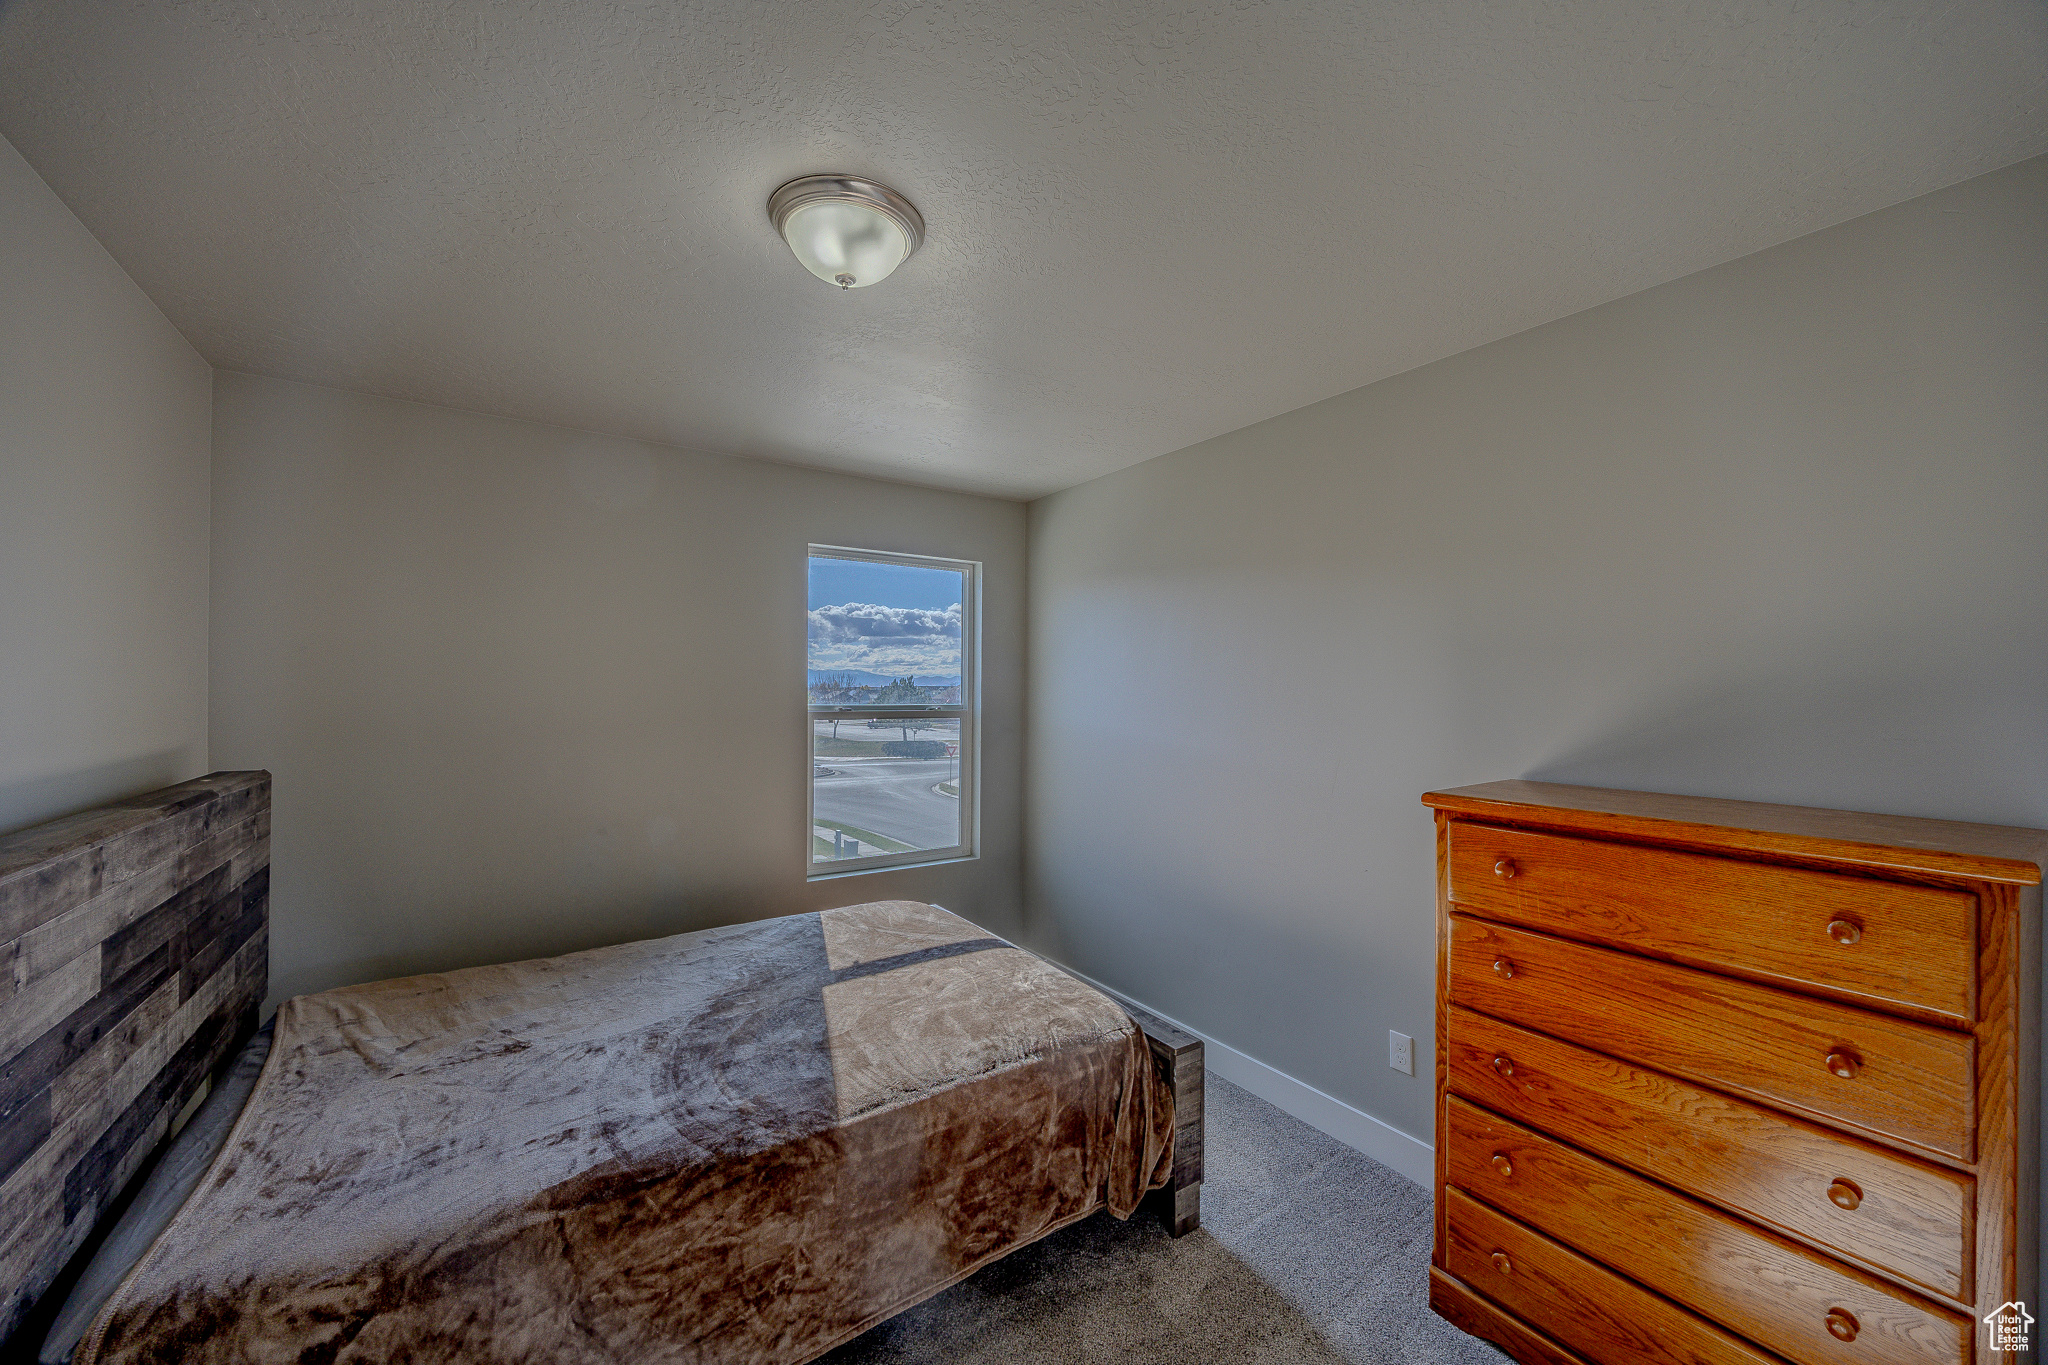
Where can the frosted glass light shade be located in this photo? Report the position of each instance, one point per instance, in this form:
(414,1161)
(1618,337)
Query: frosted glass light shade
(846,231)
(850,245)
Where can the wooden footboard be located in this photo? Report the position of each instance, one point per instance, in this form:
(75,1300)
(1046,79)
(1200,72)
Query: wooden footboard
(134,953)
(1178,1054)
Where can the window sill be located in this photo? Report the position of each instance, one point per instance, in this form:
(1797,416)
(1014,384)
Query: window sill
(836,873)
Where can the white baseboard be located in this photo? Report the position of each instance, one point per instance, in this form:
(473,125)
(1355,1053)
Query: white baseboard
(1356,1129)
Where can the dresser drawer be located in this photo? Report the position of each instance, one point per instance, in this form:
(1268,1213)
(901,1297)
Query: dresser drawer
(1913,1082)
(1907,1217)
(1803,1305)
(1582,1304)
(1888,943)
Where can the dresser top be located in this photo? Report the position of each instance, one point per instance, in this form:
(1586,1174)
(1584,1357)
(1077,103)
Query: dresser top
(1998,853)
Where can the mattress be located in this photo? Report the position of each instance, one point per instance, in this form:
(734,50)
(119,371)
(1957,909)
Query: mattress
(742,1145)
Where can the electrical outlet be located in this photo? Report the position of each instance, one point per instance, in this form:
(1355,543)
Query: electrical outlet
(1401,1052)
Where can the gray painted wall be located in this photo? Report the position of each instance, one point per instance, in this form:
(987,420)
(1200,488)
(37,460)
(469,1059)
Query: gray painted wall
(1771,531)
(526,690)
(104,451)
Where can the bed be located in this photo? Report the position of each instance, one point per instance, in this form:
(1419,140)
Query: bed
(745,1144)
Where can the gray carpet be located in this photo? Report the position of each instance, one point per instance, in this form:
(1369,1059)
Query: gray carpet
(1307,1252)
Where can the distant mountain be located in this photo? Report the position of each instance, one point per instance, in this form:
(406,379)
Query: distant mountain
(880,679)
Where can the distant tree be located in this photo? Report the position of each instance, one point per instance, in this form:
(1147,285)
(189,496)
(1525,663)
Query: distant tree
(832,687)
(905,692)
(901,692)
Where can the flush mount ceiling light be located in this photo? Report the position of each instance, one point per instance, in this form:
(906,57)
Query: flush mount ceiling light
(846,231)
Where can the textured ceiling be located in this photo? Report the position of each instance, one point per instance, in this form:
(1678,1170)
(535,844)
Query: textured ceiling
(1149,224)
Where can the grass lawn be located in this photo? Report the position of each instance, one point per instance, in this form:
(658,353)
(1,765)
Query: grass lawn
(827,747)
(821,847)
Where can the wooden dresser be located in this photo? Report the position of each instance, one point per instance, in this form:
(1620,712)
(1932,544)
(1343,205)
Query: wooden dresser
(1721,1082)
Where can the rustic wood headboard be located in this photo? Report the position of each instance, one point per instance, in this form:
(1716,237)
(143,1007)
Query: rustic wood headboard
(134,956)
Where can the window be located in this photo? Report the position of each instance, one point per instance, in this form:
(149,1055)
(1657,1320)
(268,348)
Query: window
(892,709)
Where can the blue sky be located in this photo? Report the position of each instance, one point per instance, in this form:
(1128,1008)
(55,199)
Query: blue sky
(835,582)
(896,619)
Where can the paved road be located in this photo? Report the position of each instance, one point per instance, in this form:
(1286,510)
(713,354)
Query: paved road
(893,797)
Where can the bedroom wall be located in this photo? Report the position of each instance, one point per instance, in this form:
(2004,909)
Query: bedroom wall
(526,690)
(104,468)
(1772,531)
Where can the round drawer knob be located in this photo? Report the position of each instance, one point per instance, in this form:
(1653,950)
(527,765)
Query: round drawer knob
(1844,1194)
(1507,1267)
(1505,869)
(1502,1164)
(1842,1324)
(1503,1065)
(1842,1065)
(1845,932)
(1503,966)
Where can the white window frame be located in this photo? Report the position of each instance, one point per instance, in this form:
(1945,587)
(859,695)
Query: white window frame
(968,710)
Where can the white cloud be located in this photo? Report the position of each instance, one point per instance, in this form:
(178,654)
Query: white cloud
(870,638)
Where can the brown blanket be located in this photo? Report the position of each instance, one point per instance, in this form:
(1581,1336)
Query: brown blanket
(746,1144)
